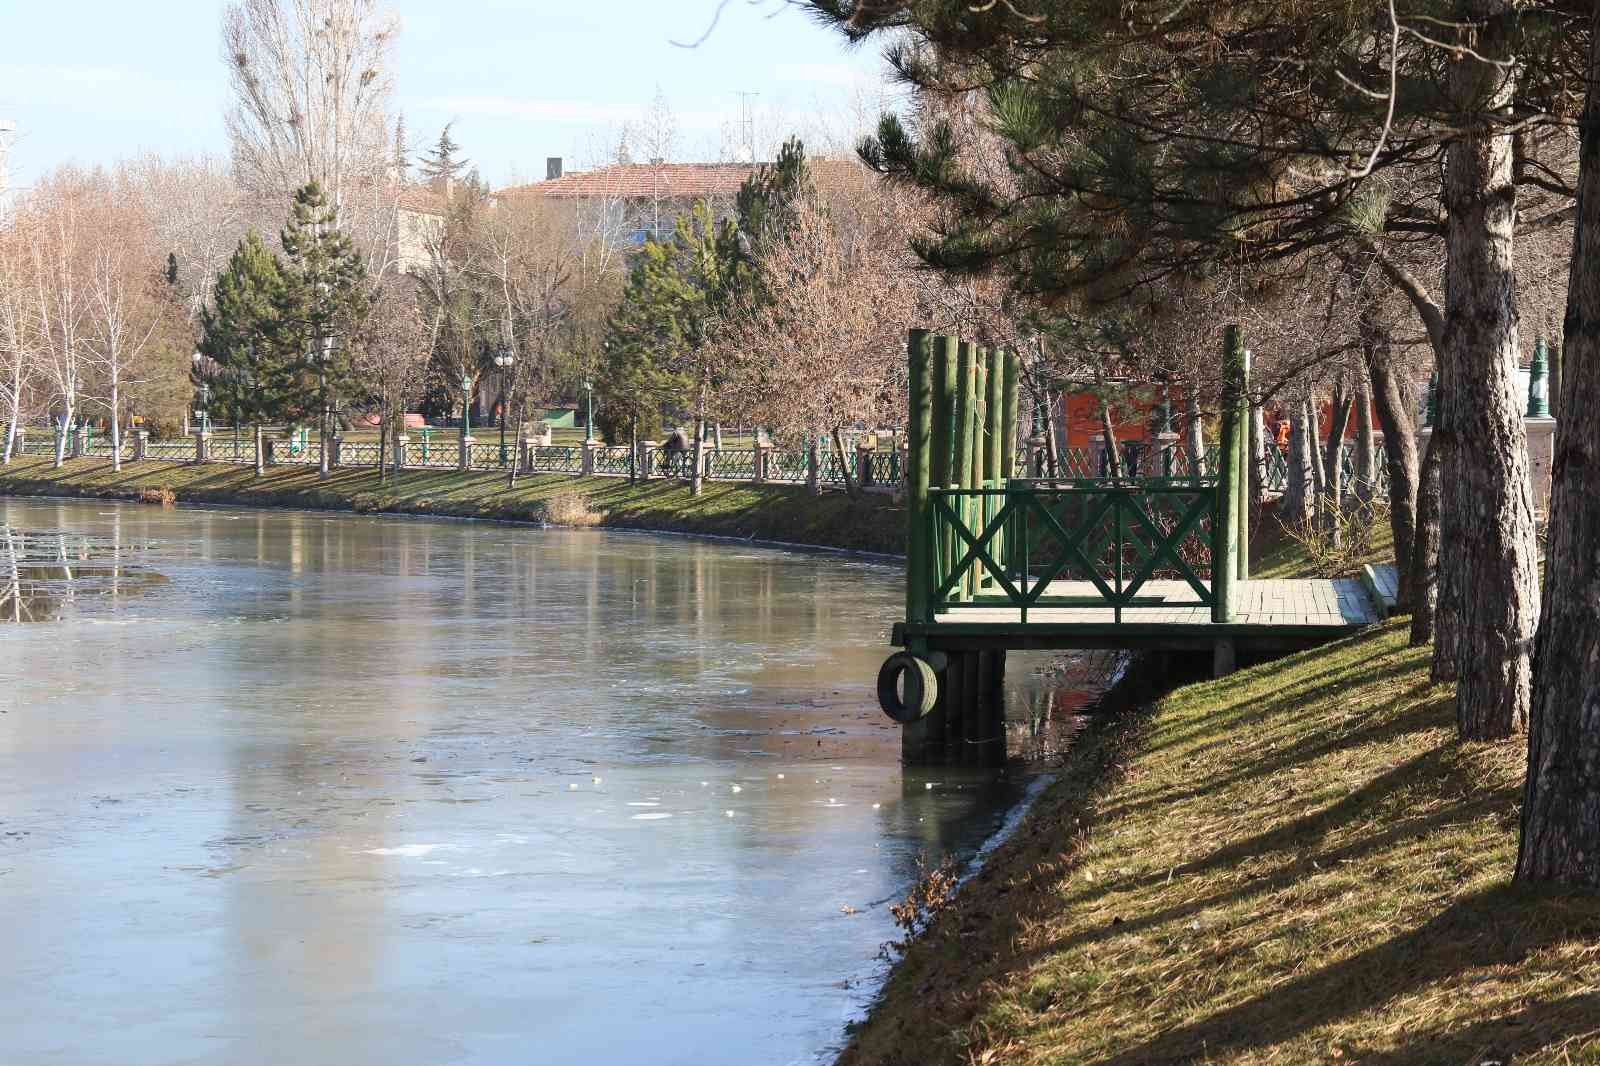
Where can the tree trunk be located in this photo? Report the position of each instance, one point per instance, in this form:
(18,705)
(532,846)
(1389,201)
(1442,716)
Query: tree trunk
(383,444)
(1258,455)
(1423,564)
(1051,455)
(1561,798)
(697,470)
(1492,575)
(1312,420)
(1331,500)
(1195,431)
(116,424)
(1333,458)
(1299,492)
(1397,419)
(633,444)
(1113,455)
(851,489)
(1366,446)
(61,437)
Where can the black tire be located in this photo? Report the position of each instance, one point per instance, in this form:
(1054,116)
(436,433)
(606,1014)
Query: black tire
(921,687)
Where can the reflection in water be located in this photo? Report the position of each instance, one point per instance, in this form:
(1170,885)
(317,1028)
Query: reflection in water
(364,790)
(42,572)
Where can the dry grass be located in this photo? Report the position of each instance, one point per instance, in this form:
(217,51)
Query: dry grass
(571,509)
(1298,864)
(162,497)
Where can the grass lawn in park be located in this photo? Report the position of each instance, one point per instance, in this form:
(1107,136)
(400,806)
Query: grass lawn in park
(1298,863)
(784,513)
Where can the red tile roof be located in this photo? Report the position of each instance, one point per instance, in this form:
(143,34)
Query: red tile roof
(671,181)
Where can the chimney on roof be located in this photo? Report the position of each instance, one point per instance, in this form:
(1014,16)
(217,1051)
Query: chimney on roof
(552,168)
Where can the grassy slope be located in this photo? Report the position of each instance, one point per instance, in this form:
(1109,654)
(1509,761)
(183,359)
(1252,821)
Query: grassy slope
(769,512)
(1297,864)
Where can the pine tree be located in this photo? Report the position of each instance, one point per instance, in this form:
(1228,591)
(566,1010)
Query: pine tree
(655,345)
(1147,139)
(765,202)
(239,335)
(440,164)
(319,309)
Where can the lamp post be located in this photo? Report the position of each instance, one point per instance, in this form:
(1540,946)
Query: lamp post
(504,361)
(588,412)
(466,405)
(202,394)
(1539,382)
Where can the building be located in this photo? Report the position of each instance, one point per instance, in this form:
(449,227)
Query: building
(646,199)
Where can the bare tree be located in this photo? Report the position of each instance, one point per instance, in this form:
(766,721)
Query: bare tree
(391,359)
(60,302)
(124,313)
(311,82)
(196,212)
(18,337)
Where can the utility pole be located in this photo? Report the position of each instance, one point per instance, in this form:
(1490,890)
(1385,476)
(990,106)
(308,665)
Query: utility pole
(747,124)
(8,134)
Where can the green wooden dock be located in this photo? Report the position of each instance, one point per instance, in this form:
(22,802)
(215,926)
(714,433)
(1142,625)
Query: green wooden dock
(1000,559)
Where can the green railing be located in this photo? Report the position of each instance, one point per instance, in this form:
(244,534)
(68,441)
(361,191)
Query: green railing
(1005,546)
(614,461)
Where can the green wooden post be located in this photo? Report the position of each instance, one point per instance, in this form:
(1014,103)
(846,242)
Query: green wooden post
(943,443)
(1224,522)
(961,468)
(1241,468)
(1009,375)
(980,453)
(919,424)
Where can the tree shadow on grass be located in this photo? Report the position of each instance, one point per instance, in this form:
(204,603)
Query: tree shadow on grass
(1499,926)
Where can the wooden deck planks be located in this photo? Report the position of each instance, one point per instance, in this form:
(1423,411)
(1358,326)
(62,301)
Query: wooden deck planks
(1268,604)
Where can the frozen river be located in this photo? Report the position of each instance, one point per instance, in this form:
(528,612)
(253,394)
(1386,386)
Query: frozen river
(302,788)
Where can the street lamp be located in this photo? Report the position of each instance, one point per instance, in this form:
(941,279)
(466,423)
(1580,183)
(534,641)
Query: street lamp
(466,409)
(588,414)
(202,394)
(504,361)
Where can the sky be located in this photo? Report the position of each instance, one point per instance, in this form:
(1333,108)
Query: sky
(93,81)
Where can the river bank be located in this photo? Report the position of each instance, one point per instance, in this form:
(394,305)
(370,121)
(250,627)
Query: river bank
(1299,863)
(777,513)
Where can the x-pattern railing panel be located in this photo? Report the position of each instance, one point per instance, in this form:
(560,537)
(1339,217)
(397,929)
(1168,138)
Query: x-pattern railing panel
(613,461)
(1004,547)
(558,460)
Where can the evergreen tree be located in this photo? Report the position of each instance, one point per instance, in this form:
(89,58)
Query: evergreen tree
(440,163)
(765,202)
(170,274)
(239,333)
(1145,139)
(654,359)
(320,306)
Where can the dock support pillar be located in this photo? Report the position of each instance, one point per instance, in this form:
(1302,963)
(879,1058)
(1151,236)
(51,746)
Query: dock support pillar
(967,726)
(1224,657)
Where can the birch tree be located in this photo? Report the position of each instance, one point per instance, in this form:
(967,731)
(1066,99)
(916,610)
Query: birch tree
(123,315)
(18,338)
